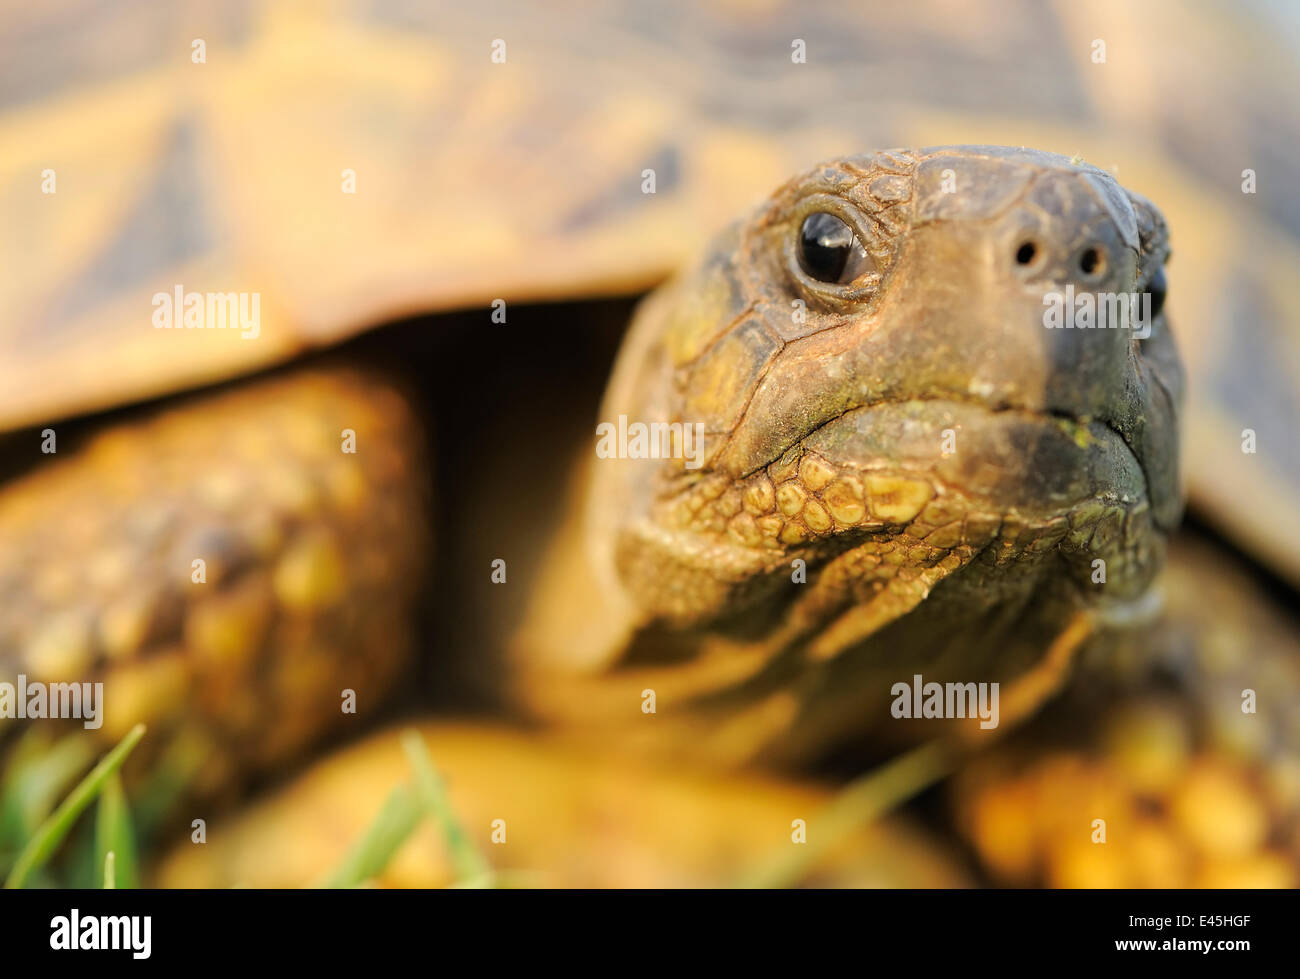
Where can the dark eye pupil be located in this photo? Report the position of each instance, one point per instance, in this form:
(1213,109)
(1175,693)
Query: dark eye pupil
(825,243)
(1157,288)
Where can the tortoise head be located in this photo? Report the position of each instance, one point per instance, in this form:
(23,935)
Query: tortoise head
(935,351)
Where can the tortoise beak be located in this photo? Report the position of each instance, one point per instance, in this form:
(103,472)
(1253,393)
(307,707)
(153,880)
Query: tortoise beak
(1053,320)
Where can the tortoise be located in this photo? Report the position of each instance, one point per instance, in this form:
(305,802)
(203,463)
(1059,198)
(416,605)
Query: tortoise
(313,558)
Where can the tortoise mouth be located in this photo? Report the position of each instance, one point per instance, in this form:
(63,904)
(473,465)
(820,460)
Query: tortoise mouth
(917,484)
(1001,459)
(935,483)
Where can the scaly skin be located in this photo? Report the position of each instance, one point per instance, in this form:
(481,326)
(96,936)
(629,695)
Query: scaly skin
(948,469)
(312,563)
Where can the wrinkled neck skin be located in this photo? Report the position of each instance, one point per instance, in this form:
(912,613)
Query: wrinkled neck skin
(996,621)
(784,672)
(802,661)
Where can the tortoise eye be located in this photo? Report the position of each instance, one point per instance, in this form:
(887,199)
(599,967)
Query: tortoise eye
(826,245)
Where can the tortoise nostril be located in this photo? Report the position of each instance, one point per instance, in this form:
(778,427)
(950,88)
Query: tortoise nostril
(1092,261)
(1026,252)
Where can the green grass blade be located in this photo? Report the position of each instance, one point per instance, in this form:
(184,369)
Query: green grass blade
(52,831)
(400,815)
(114,835)
(857,804)
(110,874)
(470,866)
(38,773)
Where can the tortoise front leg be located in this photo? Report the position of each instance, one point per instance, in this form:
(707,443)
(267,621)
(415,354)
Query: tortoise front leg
(227,566)
(1172,761)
